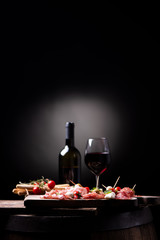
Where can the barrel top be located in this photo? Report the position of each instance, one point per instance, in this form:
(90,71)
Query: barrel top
(43,223)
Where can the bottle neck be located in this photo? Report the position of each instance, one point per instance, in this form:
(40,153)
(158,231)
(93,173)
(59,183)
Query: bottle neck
(70,134)
(70,142)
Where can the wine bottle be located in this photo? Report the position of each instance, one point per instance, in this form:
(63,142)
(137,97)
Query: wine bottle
(69,158)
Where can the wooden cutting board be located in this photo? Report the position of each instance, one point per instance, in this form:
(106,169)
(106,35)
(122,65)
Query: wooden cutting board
(36,202)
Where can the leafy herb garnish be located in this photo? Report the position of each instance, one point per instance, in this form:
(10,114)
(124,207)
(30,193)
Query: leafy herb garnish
(41,182)
(107,191)
(97,190)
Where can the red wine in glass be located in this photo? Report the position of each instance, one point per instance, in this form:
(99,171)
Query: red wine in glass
(97,162)
(97,156)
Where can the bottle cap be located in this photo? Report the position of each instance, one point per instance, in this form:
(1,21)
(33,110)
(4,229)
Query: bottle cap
(69,124)
(69,130)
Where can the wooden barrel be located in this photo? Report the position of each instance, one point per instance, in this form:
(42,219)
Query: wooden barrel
(130,225)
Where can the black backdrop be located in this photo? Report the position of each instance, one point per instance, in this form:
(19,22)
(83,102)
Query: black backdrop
(52,54)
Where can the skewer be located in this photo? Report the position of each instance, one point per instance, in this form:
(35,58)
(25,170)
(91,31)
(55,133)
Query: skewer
(134,187)
(104,186)
(72,182)
(116,182)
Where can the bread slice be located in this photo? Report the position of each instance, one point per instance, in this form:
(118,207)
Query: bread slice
(24,188)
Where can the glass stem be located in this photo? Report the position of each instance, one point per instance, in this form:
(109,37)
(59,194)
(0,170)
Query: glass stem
(97,181)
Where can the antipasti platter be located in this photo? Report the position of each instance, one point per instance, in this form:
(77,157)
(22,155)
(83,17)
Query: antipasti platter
(44,193)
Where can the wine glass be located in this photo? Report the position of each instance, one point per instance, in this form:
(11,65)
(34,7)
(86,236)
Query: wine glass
(97,156)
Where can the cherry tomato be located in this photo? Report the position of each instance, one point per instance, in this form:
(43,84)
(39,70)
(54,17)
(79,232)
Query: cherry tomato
(75,196)
(87,188)
(117,189)
(77,193)
(37,190)
(51,184)
(112,189)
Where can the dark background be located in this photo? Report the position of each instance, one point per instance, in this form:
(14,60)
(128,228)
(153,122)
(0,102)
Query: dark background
(95,65)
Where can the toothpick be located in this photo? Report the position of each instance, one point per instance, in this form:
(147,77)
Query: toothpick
(72,182)
(116,182)
(134,187)
(104,186)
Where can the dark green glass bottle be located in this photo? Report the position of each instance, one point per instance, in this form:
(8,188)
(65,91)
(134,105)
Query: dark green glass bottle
(69,158)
